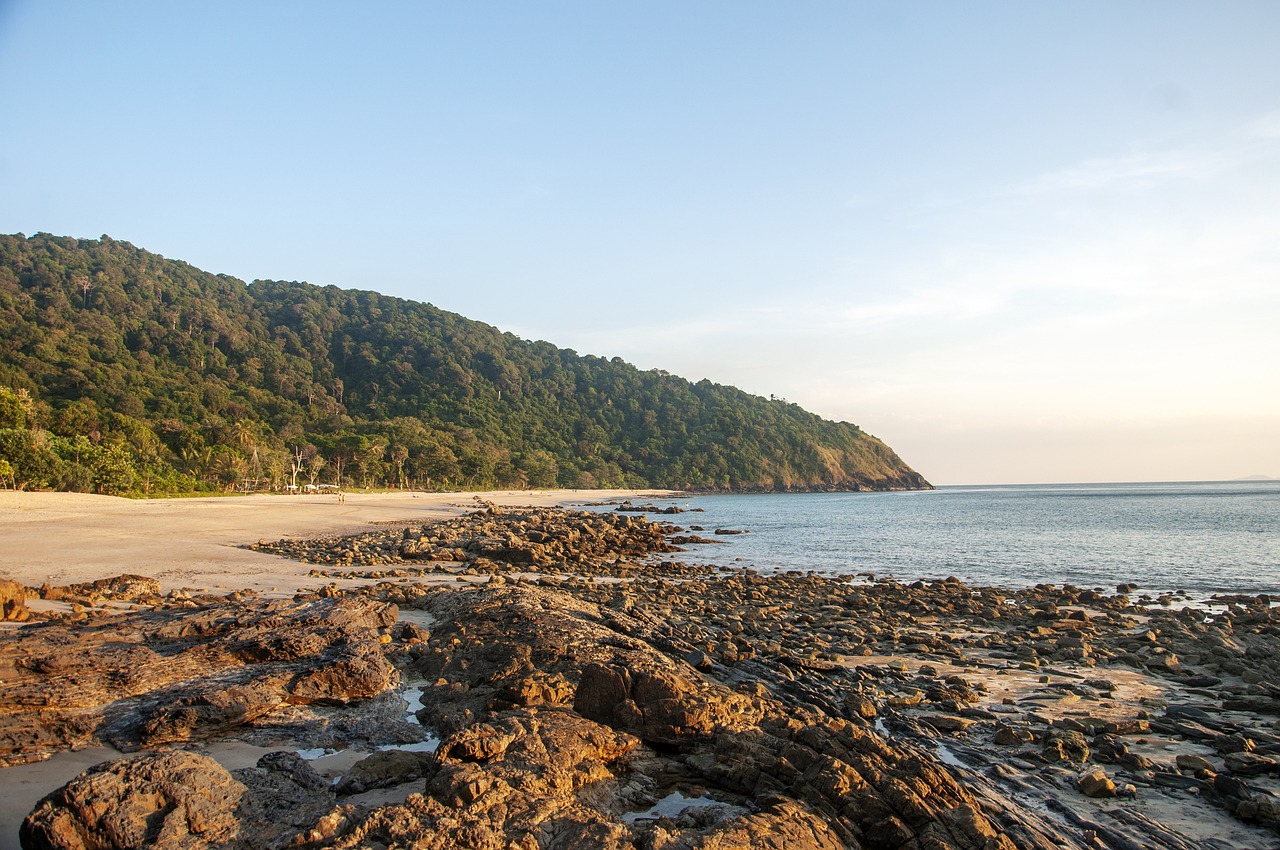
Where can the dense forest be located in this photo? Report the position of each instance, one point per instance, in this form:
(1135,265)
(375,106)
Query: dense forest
(122,371)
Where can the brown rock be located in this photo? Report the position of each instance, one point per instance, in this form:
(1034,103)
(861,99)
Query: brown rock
(1194,764)
(13,601)
(1013,736)
(1065,746)
(948,723)
(1250,764)
(148,677)
(385,769)
(1096,783)
(167,801)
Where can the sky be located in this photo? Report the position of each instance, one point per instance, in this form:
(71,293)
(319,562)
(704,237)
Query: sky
(1020,242)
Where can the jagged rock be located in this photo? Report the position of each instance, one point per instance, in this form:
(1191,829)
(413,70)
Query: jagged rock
(782,825)
(13,601)
(144,678)
(1096,783)
(385,769)
(1065,746)
(948,723)
(1250,764)
(658,706)
(166,801)
(1012,736)
(1194,764)
(178,800)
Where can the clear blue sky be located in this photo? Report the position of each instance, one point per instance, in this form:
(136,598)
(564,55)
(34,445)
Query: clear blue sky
(1018,241)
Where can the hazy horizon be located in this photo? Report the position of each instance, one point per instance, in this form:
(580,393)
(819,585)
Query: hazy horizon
(1018,243)
(1242,480)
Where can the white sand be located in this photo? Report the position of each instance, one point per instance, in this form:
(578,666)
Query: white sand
(64,538)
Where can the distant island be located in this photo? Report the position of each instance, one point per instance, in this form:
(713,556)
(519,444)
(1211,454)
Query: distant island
(1257,478)
(125,372)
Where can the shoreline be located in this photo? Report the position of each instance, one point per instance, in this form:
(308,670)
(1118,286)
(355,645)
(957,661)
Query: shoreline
(987,695)
(199,542)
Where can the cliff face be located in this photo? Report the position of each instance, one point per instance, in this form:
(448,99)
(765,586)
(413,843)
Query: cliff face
(128,371)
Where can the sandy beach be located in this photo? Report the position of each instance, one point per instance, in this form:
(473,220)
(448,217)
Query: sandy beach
(582,648)
(63,538)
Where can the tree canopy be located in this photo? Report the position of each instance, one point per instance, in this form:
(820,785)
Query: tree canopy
(122,371)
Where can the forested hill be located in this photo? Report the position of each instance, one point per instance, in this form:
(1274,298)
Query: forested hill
(123,371)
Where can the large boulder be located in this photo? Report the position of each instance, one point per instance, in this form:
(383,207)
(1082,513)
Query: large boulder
(165,801)
(13,600)
(184,801)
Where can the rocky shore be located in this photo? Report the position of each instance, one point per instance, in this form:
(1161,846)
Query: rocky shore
(544,678)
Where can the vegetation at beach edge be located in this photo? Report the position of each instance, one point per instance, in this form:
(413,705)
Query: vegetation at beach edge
(125,372)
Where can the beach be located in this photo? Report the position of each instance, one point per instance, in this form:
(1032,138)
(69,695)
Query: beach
(391,664)
(64,538)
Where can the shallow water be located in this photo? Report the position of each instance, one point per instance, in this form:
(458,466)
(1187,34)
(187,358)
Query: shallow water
(1202,537)
(676,803)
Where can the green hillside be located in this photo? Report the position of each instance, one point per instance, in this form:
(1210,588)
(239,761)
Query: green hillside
(122,371)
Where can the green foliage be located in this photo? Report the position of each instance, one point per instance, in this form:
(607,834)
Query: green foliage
(162,378)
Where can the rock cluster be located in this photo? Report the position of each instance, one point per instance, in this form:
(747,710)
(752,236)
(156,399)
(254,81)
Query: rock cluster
(524,764)
(496,540)
(144,678)
(587,684)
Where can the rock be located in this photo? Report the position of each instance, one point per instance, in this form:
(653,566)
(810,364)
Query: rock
(1194,764)
(698,659)
(1012,736)
(658,706)
(1096,783)
(1250,764)
(13,601)
(149,677)
(385,769)
(1260,809)
(166,801)
(1065,746)
(860,706)
(947,723)
(1128,727)
(126,587)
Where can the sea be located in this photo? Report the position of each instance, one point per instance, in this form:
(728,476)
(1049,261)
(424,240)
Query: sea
(1201,538)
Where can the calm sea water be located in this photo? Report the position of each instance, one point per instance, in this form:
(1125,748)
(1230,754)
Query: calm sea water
(1199,537)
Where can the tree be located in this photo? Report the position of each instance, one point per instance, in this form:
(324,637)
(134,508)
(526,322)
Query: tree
(297,463)
(204,361)
(113,472)
(315,466)
(399,454)
(15,408)
(85,283)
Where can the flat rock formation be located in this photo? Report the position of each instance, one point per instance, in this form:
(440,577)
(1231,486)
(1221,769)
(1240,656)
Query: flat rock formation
(575,688)
(177,673)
